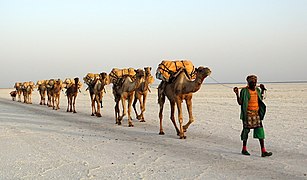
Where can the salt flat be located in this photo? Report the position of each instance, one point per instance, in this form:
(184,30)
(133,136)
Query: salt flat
(37,142)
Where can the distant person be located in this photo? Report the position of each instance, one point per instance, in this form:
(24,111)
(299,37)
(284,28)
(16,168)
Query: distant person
(13,95)
(252,113)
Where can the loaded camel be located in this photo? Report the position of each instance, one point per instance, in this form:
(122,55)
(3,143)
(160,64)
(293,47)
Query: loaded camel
(96,86)
(27,89)
(55,93)
(179,89)
(42,89)
(49,85)
(141,93)
(71,93)
(18,86)
(123,89)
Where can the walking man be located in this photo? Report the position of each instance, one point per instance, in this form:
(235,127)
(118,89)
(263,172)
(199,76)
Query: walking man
(252,113)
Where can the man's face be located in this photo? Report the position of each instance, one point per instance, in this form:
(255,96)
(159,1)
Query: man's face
(252,83)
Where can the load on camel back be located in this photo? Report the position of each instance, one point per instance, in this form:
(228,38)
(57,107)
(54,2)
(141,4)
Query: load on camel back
(117,74)
(167,69)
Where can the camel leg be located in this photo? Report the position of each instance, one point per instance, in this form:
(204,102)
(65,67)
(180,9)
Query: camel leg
(116,108)
(52,99)
(124,109)
(130,98)
(57,101)
(134,105)
(180,118)
(74,104)
(143,107)
(161,101)
(97,99)
(93,105)
(30,97)
(49,103)
(44,98)
(191,118)
(139,117)
(41,102)
(139,98)
(68,103)
(172,117)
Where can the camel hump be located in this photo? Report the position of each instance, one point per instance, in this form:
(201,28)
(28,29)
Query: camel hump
(118,73)
(90,78)
(40,82)
(68,82)
(17,85)
(168,67)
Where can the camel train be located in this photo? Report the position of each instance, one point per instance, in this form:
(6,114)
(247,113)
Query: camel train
(179,80)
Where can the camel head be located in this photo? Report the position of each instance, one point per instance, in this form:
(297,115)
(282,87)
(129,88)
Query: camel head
(139,73)
(76,80)
(202,72)
(78,84)
(147,71)
(104,78)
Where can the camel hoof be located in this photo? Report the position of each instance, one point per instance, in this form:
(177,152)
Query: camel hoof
(161,133)
(98,115)
(92,114)
(183,137)
(119,123)
(74,111)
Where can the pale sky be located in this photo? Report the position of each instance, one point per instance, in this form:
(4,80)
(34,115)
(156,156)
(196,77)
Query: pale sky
(43,39)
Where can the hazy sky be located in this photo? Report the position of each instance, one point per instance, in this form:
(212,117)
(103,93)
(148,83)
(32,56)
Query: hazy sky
(43,39)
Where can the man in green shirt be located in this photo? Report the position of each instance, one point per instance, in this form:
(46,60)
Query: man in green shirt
(252,113)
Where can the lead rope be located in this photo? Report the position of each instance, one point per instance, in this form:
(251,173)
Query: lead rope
(220,83)
(264,95)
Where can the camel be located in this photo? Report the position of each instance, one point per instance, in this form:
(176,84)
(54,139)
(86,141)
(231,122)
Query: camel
(72,92)
(17,86)
(141,93)
(179,89)
(123,90)
(55,93)
(42,89)
(49,85)
(27,89)
(96,84)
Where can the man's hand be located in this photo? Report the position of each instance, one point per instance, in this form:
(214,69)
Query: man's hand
(236,90)
(262,87)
